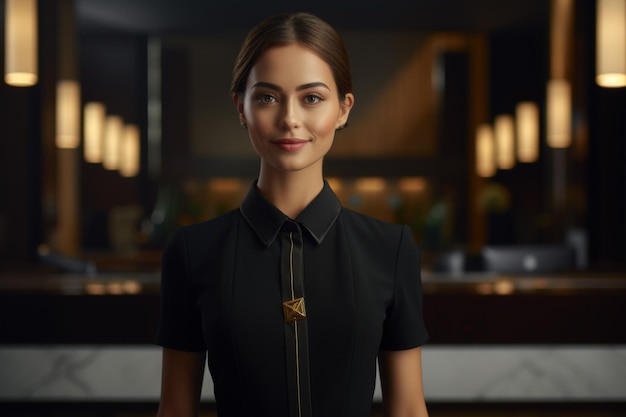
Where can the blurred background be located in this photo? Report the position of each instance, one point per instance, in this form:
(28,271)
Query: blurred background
(431,80)
(495,129)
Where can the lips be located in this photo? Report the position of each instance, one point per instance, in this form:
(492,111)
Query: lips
(290,145)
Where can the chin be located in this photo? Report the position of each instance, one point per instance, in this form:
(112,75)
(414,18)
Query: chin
(293,165)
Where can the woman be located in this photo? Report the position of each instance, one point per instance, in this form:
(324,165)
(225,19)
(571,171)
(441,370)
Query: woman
(292,298)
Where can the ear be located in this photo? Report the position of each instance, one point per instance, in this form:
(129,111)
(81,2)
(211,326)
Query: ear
(344,110)
(238,101)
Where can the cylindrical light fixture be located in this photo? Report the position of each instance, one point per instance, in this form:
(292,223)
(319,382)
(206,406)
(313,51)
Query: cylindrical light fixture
(611,43)
(113,131)
(559,113)
(20,43)
(527,131)
(93,131)
(129,151)
(68,114)
(485,151)
(504,132)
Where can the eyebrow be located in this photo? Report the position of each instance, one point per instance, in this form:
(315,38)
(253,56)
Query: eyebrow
(299,88)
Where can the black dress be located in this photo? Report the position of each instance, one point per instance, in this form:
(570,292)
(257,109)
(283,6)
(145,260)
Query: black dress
(223,289)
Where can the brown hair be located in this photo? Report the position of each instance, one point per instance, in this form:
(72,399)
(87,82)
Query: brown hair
(284,29)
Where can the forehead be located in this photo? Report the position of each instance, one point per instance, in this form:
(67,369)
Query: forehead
(291,65)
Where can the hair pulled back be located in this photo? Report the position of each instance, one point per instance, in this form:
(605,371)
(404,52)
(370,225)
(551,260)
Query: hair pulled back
(284,29)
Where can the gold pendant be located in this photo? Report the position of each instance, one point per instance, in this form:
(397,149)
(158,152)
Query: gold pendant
(293,310)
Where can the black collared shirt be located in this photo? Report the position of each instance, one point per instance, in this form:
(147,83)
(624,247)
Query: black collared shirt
(221,292)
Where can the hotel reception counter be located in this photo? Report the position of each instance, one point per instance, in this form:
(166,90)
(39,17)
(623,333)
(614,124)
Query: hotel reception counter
(492,338)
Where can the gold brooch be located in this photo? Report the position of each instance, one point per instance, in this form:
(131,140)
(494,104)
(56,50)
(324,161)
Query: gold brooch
(293,310)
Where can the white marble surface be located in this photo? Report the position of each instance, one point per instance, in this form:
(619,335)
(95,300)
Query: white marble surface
(530,373)
(451,373)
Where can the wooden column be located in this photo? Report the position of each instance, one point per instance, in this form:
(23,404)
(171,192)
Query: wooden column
(67,233)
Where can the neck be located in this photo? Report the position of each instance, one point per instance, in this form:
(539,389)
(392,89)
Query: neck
(290,192)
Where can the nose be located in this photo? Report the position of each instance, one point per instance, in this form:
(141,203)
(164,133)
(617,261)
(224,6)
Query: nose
(290,118)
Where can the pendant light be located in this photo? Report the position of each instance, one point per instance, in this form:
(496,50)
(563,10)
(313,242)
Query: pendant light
(93,131)
(527,131)
(68,104)
(485,151)
(611,43)
(129,151)
(113,130)
(559,114)
(20,43)
(68,114)
(504,132)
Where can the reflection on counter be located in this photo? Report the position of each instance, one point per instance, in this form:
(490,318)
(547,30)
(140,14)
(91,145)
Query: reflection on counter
(477,283)
(486,283)
(124,284)
(126,287)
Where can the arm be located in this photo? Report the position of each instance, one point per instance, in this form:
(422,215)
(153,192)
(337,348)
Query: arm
(401,382)
(181,383)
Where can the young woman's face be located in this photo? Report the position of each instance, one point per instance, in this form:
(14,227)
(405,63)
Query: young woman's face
(291,107)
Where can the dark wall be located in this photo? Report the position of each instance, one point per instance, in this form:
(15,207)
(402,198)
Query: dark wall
(595,164)
(20,184)
(606,175)
(113,70)
(518,70)
(24,121)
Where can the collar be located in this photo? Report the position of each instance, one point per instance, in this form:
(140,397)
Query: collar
(266,220)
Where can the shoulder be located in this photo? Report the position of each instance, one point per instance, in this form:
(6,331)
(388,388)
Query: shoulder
(206,233)
(199,245)
(216,225)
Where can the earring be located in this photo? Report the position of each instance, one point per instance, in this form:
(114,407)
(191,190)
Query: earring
(243,121)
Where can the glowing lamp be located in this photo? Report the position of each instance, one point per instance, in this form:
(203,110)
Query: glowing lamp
(485,151)
(20,43)
(611,43)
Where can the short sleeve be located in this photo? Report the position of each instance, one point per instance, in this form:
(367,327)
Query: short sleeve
(180,323)
(404,326)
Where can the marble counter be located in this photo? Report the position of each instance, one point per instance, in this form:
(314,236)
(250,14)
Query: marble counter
(492,339)
(555,373)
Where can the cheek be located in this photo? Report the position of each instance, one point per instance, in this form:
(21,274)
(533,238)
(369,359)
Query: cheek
(324,124)
(259,122)
(265,115)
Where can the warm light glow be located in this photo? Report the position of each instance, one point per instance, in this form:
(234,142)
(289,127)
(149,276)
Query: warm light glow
(335,184)
(504,286)
(370,184)
(412,184)
(527,131)
(94,117)
(131,287)
(561,37)
(95,288)
(68,114)
(611,43)
(504,131)
(485,151)
(113,130)
(559,114)
(129,151)
(225,185)
(114,288)
(484,288)
(20,49)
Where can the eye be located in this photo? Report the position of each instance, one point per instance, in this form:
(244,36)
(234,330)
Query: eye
(313,98)
(266,99)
